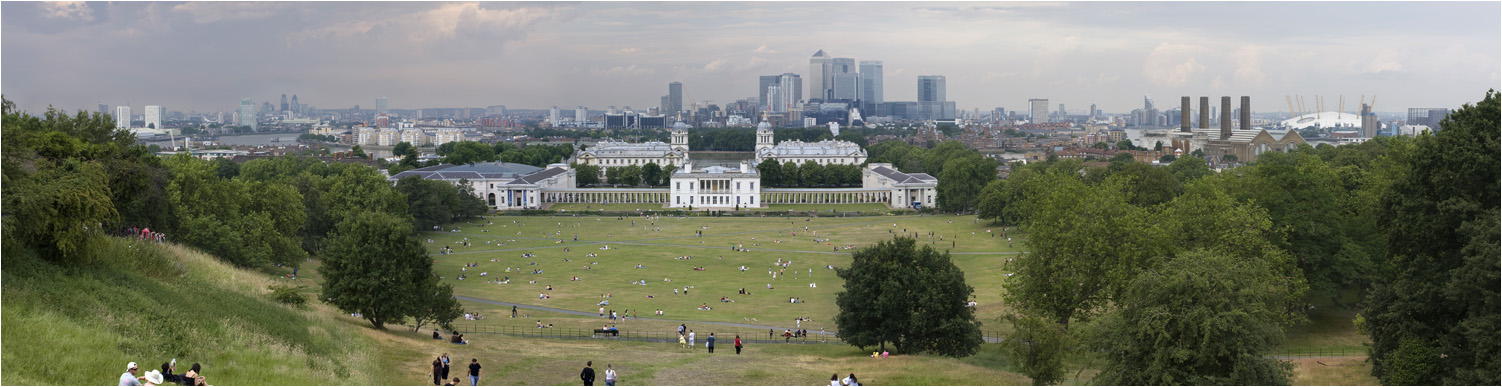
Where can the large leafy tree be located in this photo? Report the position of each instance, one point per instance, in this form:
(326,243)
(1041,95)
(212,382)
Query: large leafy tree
(1434,318)
(631,175)
(586,175)
(434,202)
(374,266)
(651,174)
(962,180)
(771,173)
(1202,319)
(811,174)
(913,298)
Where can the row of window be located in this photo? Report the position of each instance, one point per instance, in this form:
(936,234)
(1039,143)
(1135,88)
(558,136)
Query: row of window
(713,200)
(608,161)
(750,185)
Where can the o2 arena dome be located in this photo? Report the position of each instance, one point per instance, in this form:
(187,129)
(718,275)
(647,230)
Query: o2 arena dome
(1325,120)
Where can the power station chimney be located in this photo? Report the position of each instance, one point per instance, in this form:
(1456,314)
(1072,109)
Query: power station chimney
(1184,114)
(1225,117)
(1204,112)
(1246,112)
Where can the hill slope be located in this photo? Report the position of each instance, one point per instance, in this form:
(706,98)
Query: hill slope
(150,303)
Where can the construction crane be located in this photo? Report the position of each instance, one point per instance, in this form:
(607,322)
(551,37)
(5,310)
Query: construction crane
(1342,110)
(1291,113)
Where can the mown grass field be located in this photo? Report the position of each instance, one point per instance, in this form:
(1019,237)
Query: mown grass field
(668,251)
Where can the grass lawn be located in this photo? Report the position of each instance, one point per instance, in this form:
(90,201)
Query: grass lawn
(658,244)
(575,207)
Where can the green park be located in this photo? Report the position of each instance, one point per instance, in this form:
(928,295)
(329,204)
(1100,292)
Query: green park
(1352,265)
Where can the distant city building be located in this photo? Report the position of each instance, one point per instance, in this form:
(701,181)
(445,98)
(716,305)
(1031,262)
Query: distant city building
(1038,111)
(820,70)
(553,118)
(104,109)
(581,115)
(675,98)
(247,114)
(932,98)
(296,106)
(285,105)
(122,117)
(154,115)
(496,110)
(612,154)
(381,106)
(871,86)
(1429,117)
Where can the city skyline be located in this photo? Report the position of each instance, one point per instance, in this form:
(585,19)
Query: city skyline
(206,56)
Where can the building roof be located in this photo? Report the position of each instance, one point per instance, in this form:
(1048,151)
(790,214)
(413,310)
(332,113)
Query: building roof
(625,149)
(1324,119)
(826,148)
(539,176)
(904,178)
(476,171)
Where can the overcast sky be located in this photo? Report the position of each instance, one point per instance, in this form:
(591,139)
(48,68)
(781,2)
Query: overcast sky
(204,56)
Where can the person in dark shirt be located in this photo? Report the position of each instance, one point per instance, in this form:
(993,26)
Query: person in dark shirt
(474,372)
(588,375)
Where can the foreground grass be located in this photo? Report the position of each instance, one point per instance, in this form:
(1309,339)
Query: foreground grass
(149,303)
(499,243)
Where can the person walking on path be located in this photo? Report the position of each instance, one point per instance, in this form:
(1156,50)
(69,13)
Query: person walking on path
(445,365)
(710,342)
(609,375)
(437,371)
(681,341)
(690,339)
(737,344)
(513,311)
(474,371)
(588,375)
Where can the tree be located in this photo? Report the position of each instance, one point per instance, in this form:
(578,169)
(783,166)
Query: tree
(586,175)
(791,176)
(1126,145)
(1168,158)
(437,306)
(1038,346)
(1439,219)
(613,175)
(962,180)
(811,174)
(913,298)
(404,149)
(1201,319)
(991,202)
(466,152)
(374,266)
(1189,168)
(631,175)
(651,174)
(357,151)
(771,173)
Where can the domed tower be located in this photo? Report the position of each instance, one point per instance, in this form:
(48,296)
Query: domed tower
(764,135)
(680,136)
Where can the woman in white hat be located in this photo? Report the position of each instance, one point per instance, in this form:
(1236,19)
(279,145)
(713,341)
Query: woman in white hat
(153,378)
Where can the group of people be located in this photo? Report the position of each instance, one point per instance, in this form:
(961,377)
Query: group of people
(440,372)
(834,380)
(168,373)
(145,234)
(588,374)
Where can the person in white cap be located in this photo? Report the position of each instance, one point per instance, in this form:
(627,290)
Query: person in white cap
(153,378)
(129,378)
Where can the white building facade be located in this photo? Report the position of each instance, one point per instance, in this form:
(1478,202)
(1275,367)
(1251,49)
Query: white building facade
(715,186)
(905,190)
(503,186)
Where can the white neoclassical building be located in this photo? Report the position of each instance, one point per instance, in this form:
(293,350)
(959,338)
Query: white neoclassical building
(905,190)
(611,154)
(822,152)
(503,186)
(715,186)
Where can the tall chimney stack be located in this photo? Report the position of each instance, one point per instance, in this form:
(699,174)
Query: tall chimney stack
(1204,112)
(1225,117)
(1246,112)
(1184,114)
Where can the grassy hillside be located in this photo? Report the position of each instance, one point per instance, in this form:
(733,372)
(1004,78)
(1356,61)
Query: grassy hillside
(149,303)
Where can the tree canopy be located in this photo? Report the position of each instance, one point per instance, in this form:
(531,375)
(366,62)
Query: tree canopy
(914,298)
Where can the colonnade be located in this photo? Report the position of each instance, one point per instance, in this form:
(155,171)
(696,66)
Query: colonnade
(829,197)
(601,196)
